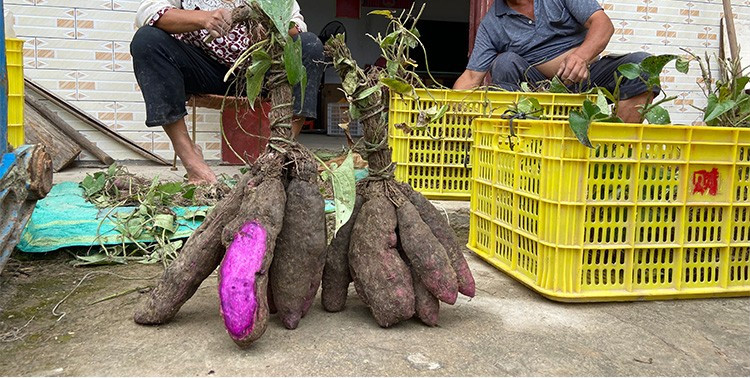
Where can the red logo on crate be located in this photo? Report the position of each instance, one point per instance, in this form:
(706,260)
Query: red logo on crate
(706,182)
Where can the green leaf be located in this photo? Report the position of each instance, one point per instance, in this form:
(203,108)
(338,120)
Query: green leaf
(557,86)
(390,39)
(525,87)
(654,65)
(392,68)
(630,70)
(87,184)
(590,110)
(354,112)
(194,214)
(718,110)
(280,13)
(385,13)
(112,170)
(368,92)
(256,74)
(350,82)
(397,85)
(682,65)
(293,61)
(99,259)
(170,188)
(657,115)
(601,102)
(344,190)
(166,222)
(739,86)
(528,105)
(579,123)
(189,193)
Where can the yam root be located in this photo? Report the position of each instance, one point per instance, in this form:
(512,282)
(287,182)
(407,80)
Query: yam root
(243,276)
(426,306)
(336,276)
(427,256)
(382,279)
(243,279)
(197,260)
(447,237)
(300,252)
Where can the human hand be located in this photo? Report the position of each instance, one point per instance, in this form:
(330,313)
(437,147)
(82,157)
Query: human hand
(573,69)
(218,22)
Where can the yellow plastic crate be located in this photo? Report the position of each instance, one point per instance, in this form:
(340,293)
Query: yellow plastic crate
(14,59)
(656,212)
(436,161)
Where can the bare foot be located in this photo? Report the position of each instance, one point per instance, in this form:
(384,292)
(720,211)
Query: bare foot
(199,173)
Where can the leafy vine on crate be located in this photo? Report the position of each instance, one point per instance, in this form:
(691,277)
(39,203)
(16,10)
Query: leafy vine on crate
(728,101)
(649,72)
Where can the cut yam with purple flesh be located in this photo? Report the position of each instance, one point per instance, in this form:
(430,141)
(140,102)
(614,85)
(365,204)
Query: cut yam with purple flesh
(426,255)
(381,277)
(240,276)
(243,279)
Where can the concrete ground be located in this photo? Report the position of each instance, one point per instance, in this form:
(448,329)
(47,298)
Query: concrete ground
(505,330)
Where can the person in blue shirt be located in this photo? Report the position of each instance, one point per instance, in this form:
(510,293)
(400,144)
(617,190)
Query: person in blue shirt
(535,40)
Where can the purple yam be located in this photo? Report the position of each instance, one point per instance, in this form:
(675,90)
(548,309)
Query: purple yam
(381,277)
(300,252)
(447,237)
(336,276)
(242,283)
(426,255)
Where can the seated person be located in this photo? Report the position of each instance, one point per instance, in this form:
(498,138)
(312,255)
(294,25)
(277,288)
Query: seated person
(173,59)
(531,41)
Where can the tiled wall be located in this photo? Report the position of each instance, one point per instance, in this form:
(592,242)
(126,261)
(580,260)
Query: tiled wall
(79,49)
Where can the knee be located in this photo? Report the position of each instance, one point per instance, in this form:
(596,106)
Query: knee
(312,47)
(508,67)
(636,57)
(145,40)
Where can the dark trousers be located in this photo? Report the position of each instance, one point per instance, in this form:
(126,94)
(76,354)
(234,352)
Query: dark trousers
(168,71)
(509,70)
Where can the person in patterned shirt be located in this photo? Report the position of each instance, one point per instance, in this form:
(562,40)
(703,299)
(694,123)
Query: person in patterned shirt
(173,58)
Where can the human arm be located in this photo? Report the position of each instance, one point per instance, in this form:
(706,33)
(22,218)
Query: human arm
(168,16)
(575,67)
(298,20)
(469,80)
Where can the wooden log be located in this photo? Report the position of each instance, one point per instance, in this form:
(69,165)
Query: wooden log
(39,130)
(731,31)
(36,89)
(72,133)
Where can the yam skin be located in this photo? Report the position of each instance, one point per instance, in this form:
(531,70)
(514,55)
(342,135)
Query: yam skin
(336,276)
(427,307)
(427,256)
(197,260)
(381,278)
(243,279)
(447,237)
(261,206)
(300,251)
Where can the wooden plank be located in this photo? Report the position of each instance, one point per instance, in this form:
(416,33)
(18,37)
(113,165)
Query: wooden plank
(39,130)
(37,89)
(55,119)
